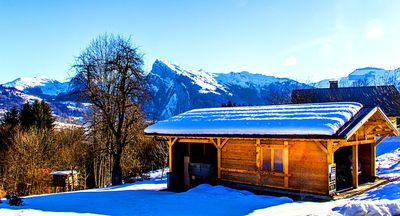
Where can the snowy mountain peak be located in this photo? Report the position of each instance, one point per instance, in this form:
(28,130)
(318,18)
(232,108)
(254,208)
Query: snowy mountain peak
(246,79)
(27,82)
(364,71)
(205,80)
(44,84)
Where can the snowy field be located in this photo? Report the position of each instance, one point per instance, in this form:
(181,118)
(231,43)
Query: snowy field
(148,198)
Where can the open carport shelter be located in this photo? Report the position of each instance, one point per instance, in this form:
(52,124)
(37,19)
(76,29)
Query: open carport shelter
(310,148)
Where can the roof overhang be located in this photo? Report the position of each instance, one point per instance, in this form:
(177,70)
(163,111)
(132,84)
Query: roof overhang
(363,118)
(249,136)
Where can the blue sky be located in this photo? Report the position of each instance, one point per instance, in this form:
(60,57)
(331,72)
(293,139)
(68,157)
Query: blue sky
(302,40)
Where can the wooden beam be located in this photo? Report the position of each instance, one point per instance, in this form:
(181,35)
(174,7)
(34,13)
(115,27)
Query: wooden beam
(286,164)
(273,146)
(185,140)
(252,138)
(380,139)
(238,170)
(369,128)
(214,142)
(224,142)
(321,146)
(361,123)
(171,140)
(377,122)
(254,172)
(355,163)
(356,142)
(335,148)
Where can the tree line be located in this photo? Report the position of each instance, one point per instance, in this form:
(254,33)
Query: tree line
(234,104)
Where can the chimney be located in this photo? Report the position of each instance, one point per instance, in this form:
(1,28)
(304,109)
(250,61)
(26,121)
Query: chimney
(333,84)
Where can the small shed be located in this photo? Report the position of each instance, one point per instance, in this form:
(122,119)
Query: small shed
(66,179)
(313,148)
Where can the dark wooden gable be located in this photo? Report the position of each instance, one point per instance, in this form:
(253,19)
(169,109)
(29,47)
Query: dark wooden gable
(386,97)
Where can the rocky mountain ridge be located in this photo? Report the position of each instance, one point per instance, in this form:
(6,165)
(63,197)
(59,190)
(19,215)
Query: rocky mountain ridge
(174,89)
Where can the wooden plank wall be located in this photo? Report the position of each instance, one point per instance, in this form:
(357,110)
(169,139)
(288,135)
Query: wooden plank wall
(307,168)
(365,159)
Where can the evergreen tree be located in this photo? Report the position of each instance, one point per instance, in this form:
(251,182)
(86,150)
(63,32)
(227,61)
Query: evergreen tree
(11,118)
(42,115)
(38,115)
(26,117)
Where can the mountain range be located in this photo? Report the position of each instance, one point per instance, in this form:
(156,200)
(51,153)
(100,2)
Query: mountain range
(174,89)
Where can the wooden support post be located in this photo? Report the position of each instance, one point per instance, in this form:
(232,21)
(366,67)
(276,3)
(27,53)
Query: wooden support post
(329,152)
(219,145)
(355,163)
(219,158)
(170,157)
(286,163)
(170,152)
(258,160)
(373,160)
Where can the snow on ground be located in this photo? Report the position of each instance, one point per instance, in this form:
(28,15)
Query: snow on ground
(149,198)
(293,119)
(145,198)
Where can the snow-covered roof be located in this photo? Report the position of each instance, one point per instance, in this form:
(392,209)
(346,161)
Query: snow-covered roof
(64,172)
(292,119)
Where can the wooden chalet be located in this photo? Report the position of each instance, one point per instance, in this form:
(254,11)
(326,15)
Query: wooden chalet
(386,97)
(307,148)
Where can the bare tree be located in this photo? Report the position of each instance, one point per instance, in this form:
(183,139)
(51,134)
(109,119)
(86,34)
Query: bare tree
(110,73)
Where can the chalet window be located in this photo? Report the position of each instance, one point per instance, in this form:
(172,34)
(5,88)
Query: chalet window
(278,160)
(272,159)
(266,164)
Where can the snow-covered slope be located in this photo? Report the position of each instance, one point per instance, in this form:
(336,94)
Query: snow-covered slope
(245,79)
(174,90)
(45,85)
(201,78)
